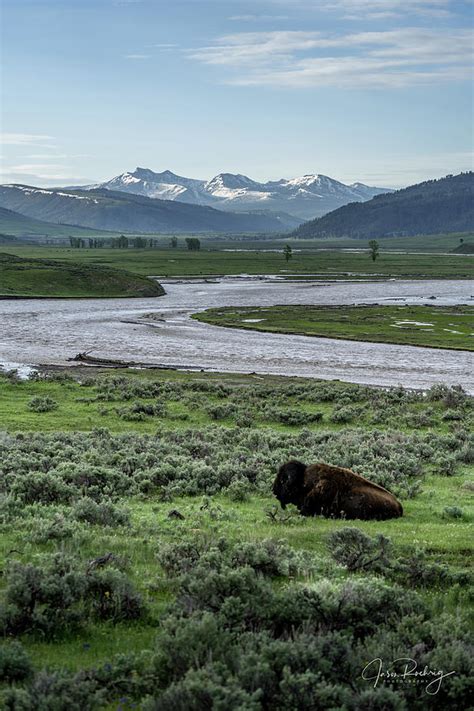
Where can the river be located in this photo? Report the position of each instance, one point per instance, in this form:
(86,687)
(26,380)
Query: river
(49,331)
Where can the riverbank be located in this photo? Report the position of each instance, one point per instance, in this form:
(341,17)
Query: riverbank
(426,326)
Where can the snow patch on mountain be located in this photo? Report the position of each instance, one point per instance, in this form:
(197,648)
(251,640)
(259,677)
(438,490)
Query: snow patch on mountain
(31,191)
(305,196)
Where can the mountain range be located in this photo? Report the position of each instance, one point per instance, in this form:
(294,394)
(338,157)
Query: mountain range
(435,206)
(127,212)
(304,197)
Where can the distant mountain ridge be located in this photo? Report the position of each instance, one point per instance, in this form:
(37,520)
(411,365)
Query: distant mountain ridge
(304,197)
(127,212)
(435,206)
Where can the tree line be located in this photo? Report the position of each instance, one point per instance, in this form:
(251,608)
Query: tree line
(123,242)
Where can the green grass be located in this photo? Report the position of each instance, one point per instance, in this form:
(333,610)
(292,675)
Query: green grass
(433,326)
(420,243)
(81,407)
(422,526)
(50,278)
(215,262)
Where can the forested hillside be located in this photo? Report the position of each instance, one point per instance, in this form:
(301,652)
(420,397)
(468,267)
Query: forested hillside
(436,206)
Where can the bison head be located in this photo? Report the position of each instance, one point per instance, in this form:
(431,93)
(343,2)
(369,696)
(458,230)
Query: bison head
(288,486)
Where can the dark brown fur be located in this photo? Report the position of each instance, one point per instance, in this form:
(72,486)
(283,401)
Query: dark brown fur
(324,490)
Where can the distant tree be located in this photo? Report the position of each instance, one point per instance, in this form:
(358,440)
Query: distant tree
(288,252)
(139,242)
(193,243)
(374,249)
(77,242)
(174,242)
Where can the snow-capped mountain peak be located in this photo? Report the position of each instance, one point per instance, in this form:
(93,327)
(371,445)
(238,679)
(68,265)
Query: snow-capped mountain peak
(231,181)
(306,196)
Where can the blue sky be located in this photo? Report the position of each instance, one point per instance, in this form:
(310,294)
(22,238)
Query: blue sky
(370,90)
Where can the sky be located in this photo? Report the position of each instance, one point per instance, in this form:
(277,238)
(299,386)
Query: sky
(377,91)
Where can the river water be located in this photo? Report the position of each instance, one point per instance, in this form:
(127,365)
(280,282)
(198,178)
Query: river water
(50,331)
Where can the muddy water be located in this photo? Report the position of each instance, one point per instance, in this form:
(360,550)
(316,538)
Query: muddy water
(50,331)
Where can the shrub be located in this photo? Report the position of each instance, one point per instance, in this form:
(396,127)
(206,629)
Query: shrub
(244,419)
(292,417)
(451,397)
(42,530)
(268,557)
(220,412)
(452,512)
(54,691)
(103,513)
(345,413)
(238,491)
(452,415)
(39,487)
(111,596)
(42,404)
(58,595)
(445,464)
(179,558)
(413,569)
(356,550)
(43,599)
(51,468)
(141,410)
(209,687)
(15,664)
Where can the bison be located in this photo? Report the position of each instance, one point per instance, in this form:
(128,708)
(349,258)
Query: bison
(321,489)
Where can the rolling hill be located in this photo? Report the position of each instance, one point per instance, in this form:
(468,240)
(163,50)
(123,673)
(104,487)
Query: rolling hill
(435,206)
(114,210)
(53,278)
(16,225)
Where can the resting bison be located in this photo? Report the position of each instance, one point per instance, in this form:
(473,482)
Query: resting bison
(319,489)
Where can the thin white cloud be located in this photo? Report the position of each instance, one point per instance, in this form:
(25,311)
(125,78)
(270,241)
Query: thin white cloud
(257,18)
(392,58)
(35,167)
(374,9)
(136,56)
(36,174)
(23,139)
(56,156)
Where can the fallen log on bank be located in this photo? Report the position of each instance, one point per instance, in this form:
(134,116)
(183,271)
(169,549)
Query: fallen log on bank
(87,359)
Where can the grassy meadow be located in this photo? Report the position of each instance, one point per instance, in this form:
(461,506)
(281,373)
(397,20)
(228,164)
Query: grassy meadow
(214,261)
(436,327)
(146,564)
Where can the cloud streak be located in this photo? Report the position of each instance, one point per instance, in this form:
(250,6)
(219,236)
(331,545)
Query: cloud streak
(258,18)
(300,59)
(137,56)
(374,9)
(23,139)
